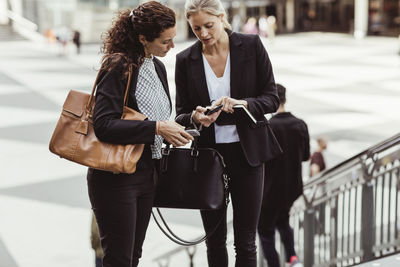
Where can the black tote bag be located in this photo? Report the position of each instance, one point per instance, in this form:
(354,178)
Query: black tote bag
(191,179)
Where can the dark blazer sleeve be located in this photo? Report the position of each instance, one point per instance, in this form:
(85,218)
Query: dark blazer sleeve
(182,104)
(108,125)
(267,100)
(306,145)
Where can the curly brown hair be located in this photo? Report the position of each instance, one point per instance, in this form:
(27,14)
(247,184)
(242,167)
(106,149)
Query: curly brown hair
(121,42)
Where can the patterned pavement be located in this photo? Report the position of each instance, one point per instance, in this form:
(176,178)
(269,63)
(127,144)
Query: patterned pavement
(344,89)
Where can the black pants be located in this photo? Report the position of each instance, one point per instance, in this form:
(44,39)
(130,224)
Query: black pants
(274,216)
(246,188)
(122,204)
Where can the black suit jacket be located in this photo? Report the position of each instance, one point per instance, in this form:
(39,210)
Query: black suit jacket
(284,173)
(252,79)
(107,122)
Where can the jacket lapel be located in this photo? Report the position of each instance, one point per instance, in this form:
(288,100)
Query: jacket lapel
(238,56)
(198,74)
(163,80)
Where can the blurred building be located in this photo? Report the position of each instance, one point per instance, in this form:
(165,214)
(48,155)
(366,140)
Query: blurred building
(352,16)
(92,17)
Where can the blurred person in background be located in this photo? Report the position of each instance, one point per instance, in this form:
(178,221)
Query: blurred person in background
(263,25)
(376,22)
(399,44)
(237,23)
(63,35)
(50,36)
(317,161)
(228,68)
(251,26)
(96,243)
(283,183)
(309,19)
(122,203)
(271,28)
(76,39)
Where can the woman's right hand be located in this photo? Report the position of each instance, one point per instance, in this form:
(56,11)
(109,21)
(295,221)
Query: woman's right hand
(205,120)
(174,133)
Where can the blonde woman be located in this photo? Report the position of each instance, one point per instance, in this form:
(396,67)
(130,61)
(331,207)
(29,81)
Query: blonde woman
(228,68)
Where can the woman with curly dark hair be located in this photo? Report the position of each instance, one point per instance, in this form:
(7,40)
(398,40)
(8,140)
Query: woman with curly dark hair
(122,202)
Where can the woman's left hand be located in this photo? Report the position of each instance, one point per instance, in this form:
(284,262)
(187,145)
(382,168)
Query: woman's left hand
(199,116)
(228,103)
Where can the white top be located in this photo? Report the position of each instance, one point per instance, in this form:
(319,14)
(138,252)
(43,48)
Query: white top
(217,88)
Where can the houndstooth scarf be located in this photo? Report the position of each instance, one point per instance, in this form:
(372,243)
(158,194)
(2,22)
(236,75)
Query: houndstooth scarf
(152,100)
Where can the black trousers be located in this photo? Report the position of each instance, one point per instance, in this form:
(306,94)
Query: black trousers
(246,189)
(275,216)
(122,204)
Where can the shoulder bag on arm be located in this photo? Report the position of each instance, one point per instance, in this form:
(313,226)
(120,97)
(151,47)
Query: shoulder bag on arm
(74,138)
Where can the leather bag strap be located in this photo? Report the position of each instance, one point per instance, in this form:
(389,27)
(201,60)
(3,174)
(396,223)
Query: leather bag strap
(128,84)
(175,238)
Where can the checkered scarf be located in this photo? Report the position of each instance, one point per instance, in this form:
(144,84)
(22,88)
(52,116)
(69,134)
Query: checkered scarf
(152,100)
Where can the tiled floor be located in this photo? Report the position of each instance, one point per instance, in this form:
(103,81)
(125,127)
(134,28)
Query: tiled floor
(344,89)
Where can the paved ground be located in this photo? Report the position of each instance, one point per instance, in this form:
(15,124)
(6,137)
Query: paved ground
(344,89)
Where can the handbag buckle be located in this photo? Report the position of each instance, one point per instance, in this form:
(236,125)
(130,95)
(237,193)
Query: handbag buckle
(226,181)
(194,153)
(226,188)
(165,152)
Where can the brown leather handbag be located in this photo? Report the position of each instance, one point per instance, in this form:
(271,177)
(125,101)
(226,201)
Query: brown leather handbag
(74,138)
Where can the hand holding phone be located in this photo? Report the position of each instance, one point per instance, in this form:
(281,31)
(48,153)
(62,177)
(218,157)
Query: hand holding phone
(213,110)
(205,116)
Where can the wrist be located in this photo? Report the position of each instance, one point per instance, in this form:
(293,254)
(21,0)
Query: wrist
(197,125)
(159,125)
(193,118)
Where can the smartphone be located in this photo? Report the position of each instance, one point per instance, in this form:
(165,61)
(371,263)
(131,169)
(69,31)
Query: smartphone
(211,111)
(193,132)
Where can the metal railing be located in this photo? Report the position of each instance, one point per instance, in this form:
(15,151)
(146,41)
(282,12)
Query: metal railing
(25,27)
(21,21)
(347,215)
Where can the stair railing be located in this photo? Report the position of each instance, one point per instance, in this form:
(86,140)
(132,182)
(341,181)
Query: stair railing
(25,27)
(350,213)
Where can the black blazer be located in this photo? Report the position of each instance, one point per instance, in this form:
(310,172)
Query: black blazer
(107,122)
(285,171)
(252,79)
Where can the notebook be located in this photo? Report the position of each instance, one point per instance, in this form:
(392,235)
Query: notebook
(241,113)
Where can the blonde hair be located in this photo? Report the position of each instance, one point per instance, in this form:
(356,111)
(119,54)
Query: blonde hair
(212,7)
